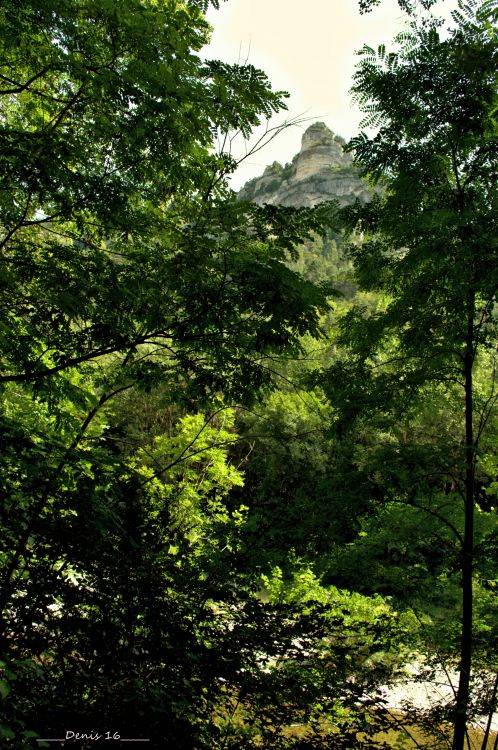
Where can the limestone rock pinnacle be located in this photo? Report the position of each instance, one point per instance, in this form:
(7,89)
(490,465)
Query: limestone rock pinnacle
(321,171)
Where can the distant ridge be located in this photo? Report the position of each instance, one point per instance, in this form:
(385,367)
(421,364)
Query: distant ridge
(321,171)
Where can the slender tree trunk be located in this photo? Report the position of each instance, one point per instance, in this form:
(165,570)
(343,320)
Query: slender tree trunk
(463,693)
(484,744)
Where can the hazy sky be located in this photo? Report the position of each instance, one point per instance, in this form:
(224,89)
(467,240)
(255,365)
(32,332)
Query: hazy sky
(306,47)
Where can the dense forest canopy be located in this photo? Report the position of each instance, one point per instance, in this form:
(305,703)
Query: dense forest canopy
(249,463)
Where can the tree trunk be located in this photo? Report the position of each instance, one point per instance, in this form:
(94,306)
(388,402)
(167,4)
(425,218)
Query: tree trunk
(463,693)
(484,744)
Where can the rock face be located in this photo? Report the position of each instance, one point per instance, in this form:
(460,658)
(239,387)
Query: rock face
(321,171)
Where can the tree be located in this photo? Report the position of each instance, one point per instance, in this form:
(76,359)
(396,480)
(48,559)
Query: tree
(125,254)
(127,266)
(430,245)
(114,187)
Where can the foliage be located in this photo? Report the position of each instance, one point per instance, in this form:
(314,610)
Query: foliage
(175,568)
(129,268)
(429,248)
(133,596)
(119,234)
(409,6)
(293,462)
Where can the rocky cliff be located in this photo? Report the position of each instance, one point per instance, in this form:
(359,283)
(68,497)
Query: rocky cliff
(322,170)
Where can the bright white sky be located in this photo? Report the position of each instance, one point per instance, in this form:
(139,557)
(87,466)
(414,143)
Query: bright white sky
(308,49)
